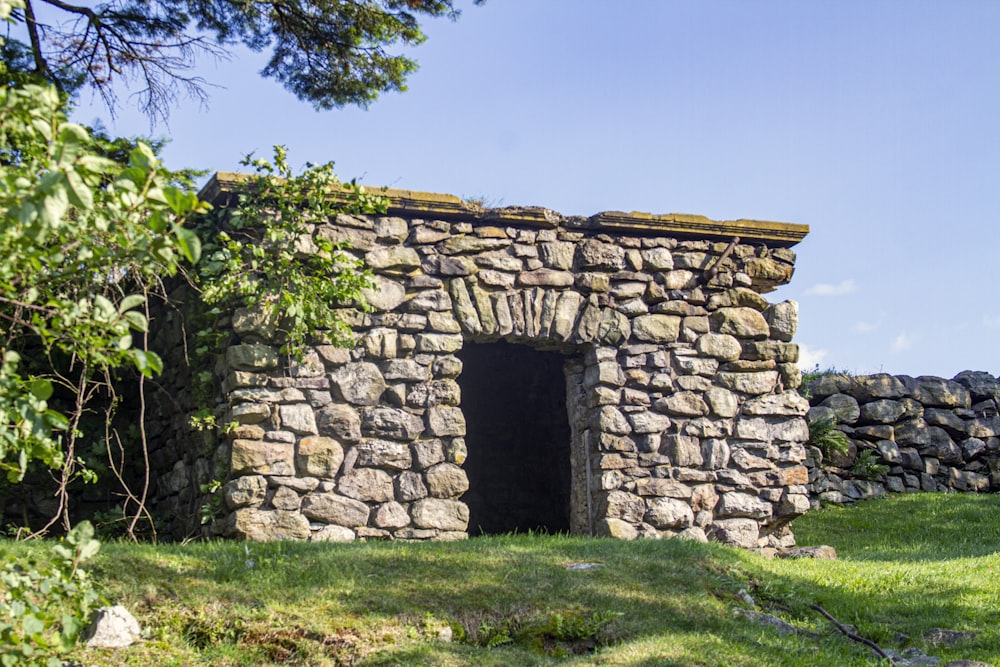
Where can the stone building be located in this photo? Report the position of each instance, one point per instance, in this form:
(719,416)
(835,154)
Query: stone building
(619,375)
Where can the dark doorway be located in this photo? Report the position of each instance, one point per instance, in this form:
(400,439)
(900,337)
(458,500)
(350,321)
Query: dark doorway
(518,438)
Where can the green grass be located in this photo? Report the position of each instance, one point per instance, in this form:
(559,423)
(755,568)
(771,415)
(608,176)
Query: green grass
(907,564)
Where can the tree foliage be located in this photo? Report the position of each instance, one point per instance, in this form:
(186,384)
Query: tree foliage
(83,239)
(266,252)
(331,53)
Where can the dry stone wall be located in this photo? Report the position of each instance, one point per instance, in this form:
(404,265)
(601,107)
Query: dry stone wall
(932,434)
(681,377)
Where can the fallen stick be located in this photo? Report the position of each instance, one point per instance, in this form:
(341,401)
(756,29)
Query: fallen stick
(851,635)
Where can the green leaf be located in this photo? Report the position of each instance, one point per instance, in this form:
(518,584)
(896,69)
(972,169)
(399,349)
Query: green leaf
(136,320)
(155,362)
(31,625)
(106,309)
(189,244)
(80,194)
(130,302)
(57,421)
(40,388)
(147,362)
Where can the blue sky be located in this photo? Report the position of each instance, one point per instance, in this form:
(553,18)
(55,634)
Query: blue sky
(875,122)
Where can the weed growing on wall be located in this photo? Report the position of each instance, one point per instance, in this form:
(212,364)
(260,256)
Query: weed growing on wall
(824,435)
(868,466)
(262,252)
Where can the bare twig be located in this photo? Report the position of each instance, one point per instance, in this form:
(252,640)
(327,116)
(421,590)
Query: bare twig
(853,636)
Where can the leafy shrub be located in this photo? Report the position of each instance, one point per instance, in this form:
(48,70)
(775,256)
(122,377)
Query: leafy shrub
(823,434)
(44,608)
(867,466)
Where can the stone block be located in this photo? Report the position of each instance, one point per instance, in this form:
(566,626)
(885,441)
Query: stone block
(391,516)
(754,383)
(339,421)
(597,255)
(410,486)
(662,487)
(298,418)
(442,514)
(788,403)
(427,453)
(647,422)
(845,407)
(393,259)
(623,505)
(656,328)
(383,454)
(367,485)
(719,346)
(740,322)
(255,525)
(617,529)
(783,319)
(669,513)
(319,456)
(333,534)
(249,413)
(334,509)
(882,411)
(358,383)
(393,423)
(262,457)
(245,491)
(742,533)
(737,504)
(715,453)
(937,392)
(252,357)
(385,294)
(445,421)
(683,450)
(446,480)
(613,328)
(683,404)
(286,499)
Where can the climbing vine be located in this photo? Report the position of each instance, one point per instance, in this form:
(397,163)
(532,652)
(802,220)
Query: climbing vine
(266,251)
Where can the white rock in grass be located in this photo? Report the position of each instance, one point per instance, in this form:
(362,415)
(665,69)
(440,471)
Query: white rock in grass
(113,627)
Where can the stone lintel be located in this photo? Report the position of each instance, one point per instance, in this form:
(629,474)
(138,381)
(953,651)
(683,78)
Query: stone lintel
(414,203)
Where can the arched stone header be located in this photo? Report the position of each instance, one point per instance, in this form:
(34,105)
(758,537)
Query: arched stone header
(680,376)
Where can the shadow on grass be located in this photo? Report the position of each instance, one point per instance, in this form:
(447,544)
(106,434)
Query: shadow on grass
(675,597)
(674,600)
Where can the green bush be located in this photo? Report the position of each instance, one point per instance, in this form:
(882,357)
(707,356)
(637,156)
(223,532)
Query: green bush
(823,434)
(867,466)
(45,607)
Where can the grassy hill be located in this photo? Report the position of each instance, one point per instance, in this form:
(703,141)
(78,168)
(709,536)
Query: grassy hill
(907,565)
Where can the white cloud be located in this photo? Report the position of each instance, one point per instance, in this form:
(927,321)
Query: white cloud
(992,322)
(810,358)
(865,327)
(903,341)
(826,289)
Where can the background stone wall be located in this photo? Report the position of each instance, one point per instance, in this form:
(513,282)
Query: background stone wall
(934,434)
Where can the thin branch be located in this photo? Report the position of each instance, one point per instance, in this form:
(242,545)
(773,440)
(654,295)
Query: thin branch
(41,65)
(852,635)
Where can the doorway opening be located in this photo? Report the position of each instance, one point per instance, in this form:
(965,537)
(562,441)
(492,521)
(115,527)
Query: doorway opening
(518,439)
